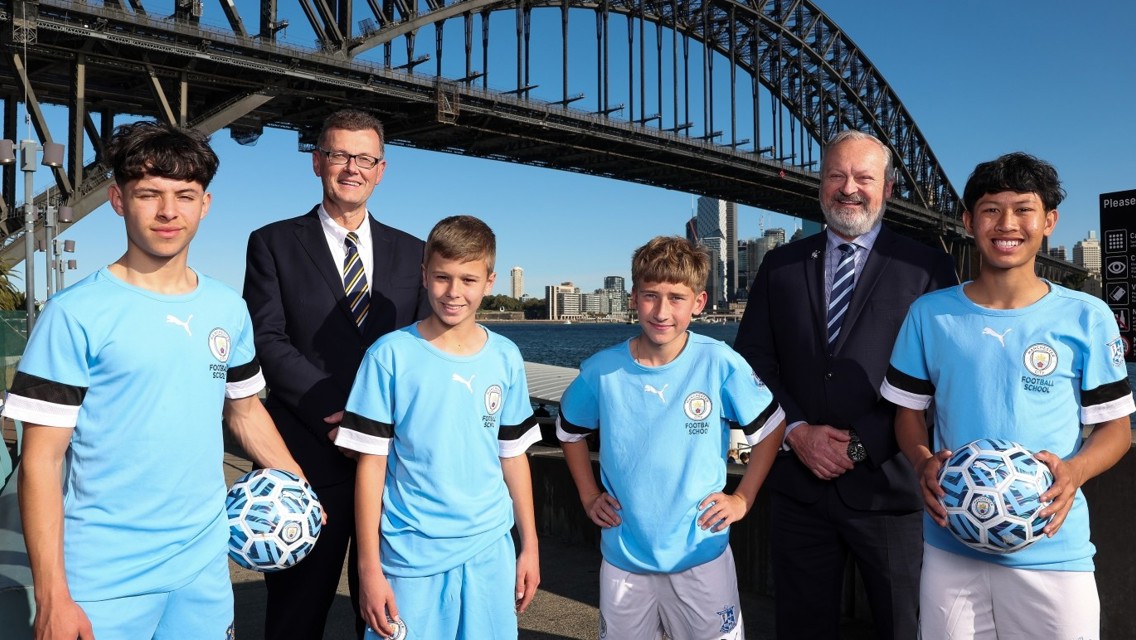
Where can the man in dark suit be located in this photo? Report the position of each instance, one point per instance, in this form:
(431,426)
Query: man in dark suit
(320,289)
(822,316)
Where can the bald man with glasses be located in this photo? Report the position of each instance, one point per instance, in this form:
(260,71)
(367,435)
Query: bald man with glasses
(320,289)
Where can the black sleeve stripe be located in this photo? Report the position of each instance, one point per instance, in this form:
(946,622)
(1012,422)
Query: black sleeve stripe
(568,427)
(759,422)
(1105,393)
(36,388)
(513,432)
(366,426)
(909,384)
(243,372)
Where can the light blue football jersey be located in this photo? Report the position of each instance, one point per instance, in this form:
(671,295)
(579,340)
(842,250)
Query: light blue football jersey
(664,432)
(1031,375)
(141,377)
(444,422)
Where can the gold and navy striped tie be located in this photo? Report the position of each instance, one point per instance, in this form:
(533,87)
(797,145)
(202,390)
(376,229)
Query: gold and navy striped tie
(355,280)
(841,295)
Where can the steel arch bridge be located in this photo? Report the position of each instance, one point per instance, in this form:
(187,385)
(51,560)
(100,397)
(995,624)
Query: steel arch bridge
(733,102)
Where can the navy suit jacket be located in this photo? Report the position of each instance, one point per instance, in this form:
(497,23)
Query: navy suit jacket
(306,340)
(782,335)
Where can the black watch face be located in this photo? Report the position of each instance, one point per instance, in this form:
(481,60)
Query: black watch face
(856,451)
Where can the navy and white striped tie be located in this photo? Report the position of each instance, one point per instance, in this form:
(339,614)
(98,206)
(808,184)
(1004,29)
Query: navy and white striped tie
(355,280)
(842,282)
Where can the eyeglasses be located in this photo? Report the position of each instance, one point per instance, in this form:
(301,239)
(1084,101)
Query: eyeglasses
(363,161)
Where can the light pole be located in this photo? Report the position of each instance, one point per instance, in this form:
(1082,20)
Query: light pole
(60,264)
(52,157)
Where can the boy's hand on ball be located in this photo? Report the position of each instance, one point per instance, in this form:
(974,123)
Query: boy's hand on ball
(1059,497)
(928,473)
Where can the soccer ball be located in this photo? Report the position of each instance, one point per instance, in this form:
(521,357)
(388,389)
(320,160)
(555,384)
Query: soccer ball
(993,494)
(274,519)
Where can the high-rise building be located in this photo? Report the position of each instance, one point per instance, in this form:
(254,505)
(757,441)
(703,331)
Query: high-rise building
(719,219)
(777,237)
(1087,255)
(563,300)
(1058,252)
(613,282)
(517,282)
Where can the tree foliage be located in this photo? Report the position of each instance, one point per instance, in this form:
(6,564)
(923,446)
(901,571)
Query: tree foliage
(11,298)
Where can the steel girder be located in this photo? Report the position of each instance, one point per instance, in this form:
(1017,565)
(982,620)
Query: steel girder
(108,60)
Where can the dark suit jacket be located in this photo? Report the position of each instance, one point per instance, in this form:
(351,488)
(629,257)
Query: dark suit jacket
(782,335)
(306,340)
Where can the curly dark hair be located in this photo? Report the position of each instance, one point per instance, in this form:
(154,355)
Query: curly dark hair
(150,148)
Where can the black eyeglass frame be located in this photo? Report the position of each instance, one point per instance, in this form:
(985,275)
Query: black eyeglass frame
(362,160)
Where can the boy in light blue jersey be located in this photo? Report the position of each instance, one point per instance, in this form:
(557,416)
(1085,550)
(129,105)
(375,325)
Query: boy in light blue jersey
(440,415)
(1009,355)
(122,388)
(663,402)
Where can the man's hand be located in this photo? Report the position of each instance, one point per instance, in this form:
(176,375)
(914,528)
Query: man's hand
(822,448)
(602,509)
(927,471)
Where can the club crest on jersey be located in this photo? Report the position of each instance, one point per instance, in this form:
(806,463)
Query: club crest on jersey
(729,619)
(493,399)
(1040,359)
(697,406)
(1116,351)
(220,345)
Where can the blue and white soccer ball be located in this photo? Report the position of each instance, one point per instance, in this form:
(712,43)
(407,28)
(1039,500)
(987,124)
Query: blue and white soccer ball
(993,495)
(274,520)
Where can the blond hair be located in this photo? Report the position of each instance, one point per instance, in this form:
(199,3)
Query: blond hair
(462,238)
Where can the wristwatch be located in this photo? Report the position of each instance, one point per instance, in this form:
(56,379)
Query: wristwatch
(856,450)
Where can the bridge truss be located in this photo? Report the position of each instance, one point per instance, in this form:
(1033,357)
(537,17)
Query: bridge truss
(724,98)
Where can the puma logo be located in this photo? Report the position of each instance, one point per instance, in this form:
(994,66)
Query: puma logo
(170,319)
(994,334)
(658,392)
(468,383)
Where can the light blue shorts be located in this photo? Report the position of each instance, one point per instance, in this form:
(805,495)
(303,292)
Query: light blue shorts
(202,609)
(474,601)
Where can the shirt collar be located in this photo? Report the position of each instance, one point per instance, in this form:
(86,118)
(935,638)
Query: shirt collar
(339,234)
(864,242)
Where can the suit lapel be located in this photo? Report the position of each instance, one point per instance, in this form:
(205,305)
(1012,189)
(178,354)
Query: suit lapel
(814,284)
(310,235)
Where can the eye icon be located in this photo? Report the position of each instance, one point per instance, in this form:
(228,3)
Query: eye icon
(1116,267)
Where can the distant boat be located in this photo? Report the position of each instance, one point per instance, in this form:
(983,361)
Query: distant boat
(567,322)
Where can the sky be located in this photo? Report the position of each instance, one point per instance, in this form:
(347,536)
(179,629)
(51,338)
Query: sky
(980,79)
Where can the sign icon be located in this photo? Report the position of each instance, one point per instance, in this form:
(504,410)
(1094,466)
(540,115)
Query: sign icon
(1115,240)
(1121,318)
(1116,267)
(1117,293)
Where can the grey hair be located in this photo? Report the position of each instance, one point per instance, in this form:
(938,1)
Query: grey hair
(852,134)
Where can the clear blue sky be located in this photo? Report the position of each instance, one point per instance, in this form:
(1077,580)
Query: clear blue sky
(980,78)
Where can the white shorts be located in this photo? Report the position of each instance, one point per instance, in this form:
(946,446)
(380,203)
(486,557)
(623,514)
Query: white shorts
(960,597)
(700,603)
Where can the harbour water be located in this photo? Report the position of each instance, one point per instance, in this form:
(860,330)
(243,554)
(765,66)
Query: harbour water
(567,345)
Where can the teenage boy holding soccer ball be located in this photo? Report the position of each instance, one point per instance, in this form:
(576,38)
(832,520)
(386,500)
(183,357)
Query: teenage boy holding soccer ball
(440,415)
(663,402)
(1010,355)
(121,388)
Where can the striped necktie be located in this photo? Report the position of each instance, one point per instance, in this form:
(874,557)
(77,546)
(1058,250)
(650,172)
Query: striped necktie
(355,280)
(841,294)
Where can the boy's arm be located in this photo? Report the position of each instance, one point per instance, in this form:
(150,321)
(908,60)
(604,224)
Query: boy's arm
(911,434)
(1105,446)
(41,509)
(723,509)
(601,507)
(518,478)
(254,430)
(376,599)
